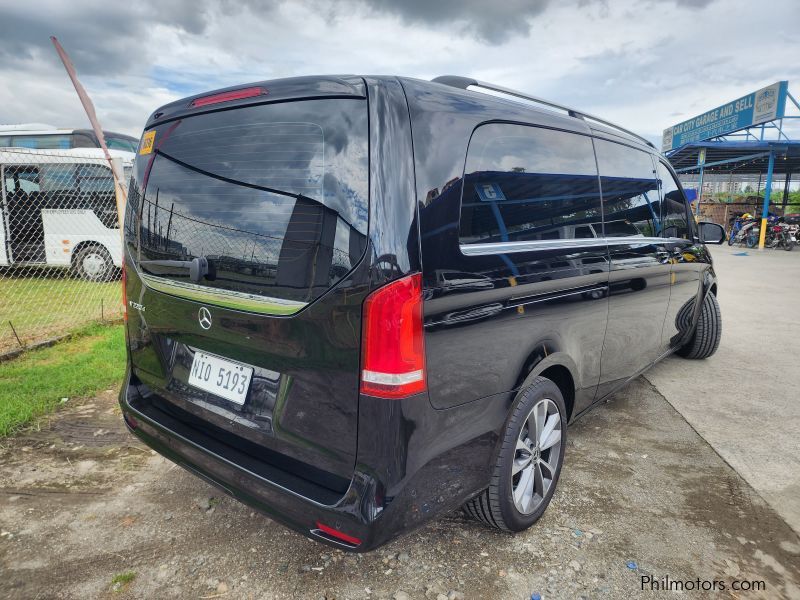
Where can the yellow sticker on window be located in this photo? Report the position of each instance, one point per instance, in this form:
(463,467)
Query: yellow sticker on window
(146,147)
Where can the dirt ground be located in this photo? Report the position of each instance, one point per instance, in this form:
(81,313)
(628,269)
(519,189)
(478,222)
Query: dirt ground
(641,495)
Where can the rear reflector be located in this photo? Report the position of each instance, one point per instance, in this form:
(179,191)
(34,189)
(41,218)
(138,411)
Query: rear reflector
(130,420)
(251,92)
(393,357)
(335,533)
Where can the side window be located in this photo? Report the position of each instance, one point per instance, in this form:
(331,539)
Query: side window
(630,191)
(58,178)
(81,140)
(96,185)
(676,223)
(525,183)
(27,179)
(95,178)
(42,142)
(115,143)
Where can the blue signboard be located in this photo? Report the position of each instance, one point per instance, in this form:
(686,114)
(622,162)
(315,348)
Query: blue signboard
(767,104)
(489,192)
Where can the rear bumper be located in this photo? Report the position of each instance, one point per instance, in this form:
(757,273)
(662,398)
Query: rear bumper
(365,512)
(188,448)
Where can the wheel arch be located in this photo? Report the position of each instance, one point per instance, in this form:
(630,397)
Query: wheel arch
(709,281)
(556,366)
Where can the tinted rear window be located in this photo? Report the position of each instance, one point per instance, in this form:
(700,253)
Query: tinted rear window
(274,197)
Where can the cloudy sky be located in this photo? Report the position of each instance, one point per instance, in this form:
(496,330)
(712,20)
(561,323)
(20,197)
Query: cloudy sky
(645,64)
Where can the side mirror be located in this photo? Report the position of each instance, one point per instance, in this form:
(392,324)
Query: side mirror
(711,233)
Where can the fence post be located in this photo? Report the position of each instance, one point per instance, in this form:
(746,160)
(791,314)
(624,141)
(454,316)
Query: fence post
(119,193)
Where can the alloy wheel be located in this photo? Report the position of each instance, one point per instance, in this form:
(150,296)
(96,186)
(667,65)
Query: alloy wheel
(536,456)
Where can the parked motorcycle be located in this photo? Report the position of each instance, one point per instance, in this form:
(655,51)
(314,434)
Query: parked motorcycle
(736,228)
(784,236)
(744,231)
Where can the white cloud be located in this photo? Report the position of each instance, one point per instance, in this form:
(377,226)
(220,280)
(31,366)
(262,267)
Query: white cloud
(645,64)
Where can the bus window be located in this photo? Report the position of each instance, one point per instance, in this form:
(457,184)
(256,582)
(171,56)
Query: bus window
(27,179)
(95,178)
(58,178)
(115,143)
(42,142)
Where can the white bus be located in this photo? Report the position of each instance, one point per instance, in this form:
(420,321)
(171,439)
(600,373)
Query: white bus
(38,136)
(59,211)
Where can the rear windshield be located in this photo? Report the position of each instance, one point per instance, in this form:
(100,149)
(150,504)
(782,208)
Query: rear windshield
(261,208)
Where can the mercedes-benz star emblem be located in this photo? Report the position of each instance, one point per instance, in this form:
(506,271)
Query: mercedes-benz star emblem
(204,316)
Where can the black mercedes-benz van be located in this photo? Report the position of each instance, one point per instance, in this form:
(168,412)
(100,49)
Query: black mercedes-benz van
(355,303)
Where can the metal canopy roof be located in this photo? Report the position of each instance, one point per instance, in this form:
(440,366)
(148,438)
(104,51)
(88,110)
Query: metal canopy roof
(745,157)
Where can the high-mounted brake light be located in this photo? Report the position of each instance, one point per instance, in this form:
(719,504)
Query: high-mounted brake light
(393,357)
(250,92)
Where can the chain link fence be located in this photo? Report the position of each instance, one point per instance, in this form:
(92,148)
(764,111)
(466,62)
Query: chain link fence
(60,248)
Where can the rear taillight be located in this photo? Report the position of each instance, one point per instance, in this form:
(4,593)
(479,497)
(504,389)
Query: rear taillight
(393,356)
(250,92)
(124,293)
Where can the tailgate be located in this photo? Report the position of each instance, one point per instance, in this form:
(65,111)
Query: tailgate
(245,229)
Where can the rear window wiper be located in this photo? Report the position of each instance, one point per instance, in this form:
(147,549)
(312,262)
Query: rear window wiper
(199,267)
(234,181)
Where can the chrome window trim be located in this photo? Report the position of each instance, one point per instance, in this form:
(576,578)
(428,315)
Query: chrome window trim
(565,244)
(222,298)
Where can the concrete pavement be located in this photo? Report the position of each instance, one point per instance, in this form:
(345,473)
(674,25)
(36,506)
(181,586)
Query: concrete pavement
(745,400)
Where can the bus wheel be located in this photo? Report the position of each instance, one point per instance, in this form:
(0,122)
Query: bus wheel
(93,263)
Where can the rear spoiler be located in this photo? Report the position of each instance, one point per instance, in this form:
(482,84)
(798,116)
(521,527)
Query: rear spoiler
(276,90)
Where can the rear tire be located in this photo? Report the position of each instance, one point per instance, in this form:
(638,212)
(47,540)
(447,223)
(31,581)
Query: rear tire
(93,263)
(525,474)
(708,333)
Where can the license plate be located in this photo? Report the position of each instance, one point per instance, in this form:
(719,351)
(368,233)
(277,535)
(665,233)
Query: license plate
(221,377)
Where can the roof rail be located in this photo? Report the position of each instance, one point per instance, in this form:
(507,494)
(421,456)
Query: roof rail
(465,82)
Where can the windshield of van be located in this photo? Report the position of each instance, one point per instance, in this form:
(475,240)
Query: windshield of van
(260,208)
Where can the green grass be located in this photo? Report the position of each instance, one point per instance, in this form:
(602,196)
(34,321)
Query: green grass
(34,383)
(48,303)
(120,580)
(125,577)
